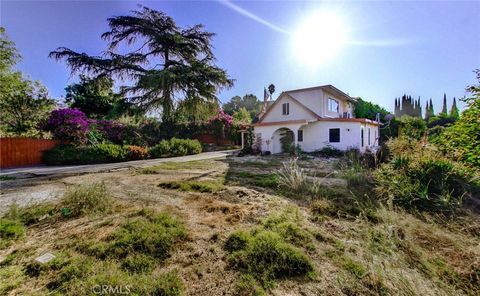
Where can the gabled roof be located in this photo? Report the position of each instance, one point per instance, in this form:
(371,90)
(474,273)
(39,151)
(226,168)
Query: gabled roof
(328,88)
(291,98)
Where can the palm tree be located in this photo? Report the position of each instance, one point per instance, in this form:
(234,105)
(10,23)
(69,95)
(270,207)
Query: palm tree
(167,64)
(271,90)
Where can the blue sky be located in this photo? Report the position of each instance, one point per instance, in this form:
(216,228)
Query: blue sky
(419,48)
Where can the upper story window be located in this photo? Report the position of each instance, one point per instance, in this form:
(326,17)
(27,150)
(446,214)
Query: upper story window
(285,108)
(332,105)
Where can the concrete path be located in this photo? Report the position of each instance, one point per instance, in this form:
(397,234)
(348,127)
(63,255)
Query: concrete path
(42,171)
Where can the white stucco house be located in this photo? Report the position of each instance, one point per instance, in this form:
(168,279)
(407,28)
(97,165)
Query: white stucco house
(316,117)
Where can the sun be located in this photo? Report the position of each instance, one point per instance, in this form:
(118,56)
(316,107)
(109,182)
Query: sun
(319,38)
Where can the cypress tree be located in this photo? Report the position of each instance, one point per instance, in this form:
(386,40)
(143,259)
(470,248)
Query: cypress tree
(454,111)
(431,111)
(444,107)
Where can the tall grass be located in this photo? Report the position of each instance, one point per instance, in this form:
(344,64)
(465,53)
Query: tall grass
(88,199)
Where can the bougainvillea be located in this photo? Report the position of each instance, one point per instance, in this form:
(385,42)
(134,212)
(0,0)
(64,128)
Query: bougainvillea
(221,123)
(68,125)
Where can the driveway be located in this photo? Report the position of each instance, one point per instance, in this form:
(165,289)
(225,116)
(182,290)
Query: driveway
(43,171)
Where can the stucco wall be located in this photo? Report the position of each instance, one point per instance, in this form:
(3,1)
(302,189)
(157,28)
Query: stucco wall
(316,135)
(296,111)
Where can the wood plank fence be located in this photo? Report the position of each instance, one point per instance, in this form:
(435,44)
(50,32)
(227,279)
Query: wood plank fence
(17,152)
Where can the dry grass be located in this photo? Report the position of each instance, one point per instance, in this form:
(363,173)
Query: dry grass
(356,248)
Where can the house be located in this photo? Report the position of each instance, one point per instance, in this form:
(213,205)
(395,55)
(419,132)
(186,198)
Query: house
(314,118)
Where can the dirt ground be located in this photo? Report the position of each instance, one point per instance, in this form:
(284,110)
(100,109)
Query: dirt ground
(209,217)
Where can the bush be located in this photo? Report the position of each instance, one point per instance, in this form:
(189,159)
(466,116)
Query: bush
(69,154)
(267,257)
(329,151)
(139,263)
(86,200)
(176,147)
(10,229)
(293,178)
(153,235)
(68,125)
(137,153)
(425,181)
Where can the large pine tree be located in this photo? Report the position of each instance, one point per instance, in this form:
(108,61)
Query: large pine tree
(167,64)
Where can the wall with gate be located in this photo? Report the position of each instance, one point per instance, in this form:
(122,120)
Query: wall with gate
(17,152)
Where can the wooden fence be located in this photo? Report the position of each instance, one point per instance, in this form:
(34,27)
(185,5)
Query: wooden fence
(17,152)
(211,139)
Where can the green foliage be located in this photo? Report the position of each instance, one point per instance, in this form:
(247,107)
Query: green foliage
(260,180)
(266,253)
(161,59)
(93,96)
(242,116)
(412,127)
(267,257)
(139,263)
(461,140)
(329,151)
(101,153)
(153,234)
(248,286)
(250,102)
(24,104)
(369,110)
(89,199)
(32,214)
(11,230)
(176,147)
(199,186)
(421,179)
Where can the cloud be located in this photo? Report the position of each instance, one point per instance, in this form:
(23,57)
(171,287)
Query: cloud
(253,16)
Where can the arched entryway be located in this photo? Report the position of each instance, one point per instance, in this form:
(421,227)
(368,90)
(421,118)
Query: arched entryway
(284,135)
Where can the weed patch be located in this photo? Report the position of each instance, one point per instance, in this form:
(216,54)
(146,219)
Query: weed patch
(10,230)
(90,199)
(209,186)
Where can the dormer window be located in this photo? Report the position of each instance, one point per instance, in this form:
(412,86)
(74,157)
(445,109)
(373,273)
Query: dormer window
(285,108)
(332,105)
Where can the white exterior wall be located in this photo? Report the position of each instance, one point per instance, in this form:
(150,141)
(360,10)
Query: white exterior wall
(316,135)
(317,101)
(296,111)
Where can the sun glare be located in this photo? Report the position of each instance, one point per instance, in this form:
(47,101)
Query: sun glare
(319,38)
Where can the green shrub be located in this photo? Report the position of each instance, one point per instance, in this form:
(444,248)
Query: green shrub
(248,286)
(11,230)
(199,186)
(176,147)
(154,235)
(329,151)
(69,154)
(425,181)
(86,200)
(139,263)
(237,241)
(267,257)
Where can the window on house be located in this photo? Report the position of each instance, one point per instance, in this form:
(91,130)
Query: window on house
(361,135)
(285,108)
(300,136)
(332,105)
(334,135)
(368,136)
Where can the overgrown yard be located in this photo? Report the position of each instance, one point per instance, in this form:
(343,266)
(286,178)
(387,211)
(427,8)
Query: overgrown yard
(235,226)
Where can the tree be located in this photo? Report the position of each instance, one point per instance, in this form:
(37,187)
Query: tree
(271,90)
(249,102)
(93,96)
(195,111)
(365,109)
(461,140)
(454,113)
(242,116)
(23,103)
(444,106)
(167,64)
